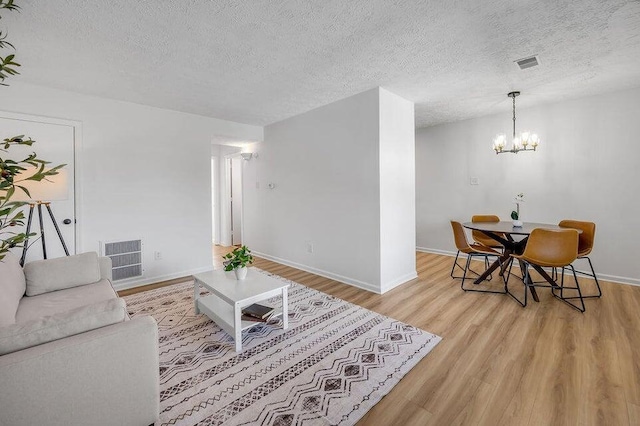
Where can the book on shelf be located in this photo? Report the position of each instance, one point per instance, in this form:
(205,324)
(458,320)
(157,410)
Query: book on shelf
(258,311)
(252,319)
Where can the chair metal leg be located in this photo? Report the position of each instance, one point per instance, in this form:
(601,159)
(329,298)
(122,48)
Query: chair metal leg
(455,263)
(486,266)
(565,299)
(524,279)
(593,275)
(465,276)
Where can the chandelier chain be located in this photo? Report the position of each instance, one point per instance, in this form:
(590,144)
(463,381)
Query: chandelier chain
(514,117)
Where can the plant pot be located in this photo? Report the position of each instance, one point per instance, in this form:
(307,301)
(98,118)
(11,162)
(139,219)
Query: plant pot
(517,224)
(241,273)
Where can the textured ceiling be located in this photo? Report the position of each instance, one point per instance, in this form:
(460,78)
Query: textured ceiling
(259,62)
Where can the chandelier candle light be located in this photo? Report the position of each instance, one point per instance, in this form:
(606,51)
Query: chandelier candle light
(526,141)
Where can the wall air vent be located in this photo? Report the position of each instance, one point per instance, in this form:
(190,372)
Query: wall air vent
(126,257)
(529,62)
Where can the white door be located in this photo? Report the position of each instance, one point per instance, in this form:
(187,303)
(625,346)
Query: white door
(54,143)
(214,199)
(236,200)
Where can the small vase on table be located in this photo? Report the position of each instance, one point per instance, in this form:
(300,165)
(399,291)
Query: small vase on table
(241,273)
(515,215)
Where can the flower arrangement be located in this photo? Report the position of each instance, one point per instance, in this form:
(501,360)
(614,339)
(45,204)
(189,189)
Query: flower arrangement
(515,214)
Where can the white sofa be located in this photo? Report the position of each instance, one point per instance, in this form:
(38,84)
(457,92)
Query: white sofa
(69,354)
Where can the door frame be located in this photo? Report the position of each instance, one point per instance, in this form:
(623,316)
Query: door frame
(77,166)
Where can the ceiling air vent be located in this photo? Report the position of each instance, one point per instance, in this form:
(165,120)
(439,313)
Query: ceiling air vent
(529,62)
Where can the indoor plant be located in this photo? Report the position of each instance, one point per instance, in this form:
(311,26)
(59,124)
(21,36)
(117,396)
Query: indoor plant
(237,261)
(12,172)
(515,215)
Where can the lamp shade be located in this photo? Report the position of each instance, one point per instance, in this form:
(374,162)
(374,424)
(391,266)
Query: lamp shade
(52,188)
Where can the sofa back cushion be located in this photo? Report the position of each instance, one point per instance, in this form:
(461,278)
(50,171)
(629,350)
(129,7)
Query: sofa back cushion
(24,335)
(44,276)
(12,288)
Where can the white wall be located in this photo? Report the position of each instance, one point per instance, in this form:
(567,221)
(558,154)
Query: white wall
(326,168)
(586,169)
(143,172)
(397,190)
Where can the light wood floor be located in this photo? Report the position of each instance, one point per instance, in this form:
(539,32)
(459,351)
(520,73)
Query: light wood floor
(499,363)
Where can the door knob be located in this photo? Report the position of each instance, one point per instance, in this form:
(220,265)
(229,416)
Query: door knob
(67,221)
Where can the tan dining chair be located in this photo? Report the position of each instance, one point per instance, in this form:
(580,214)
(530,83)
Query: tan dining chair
(471,250)
(480,237)
(585,245)
(551,248)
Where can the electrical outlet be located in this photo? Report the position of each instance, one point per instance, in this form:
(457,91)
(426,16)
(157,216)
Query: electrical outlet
(309,247)
(157,255)
(474,181)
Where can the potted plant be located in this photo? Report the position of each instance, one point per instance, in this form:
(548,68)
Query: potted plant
(237,261)
(13,172)
(515,215)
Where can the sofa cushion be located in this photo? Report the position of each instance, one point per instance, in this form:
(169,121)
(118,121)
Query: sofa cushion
(61,273)
(34,307)
(20,336)
(12,288)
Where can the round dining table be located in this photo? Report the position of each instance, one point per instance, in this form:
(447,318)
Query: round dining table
(504,233)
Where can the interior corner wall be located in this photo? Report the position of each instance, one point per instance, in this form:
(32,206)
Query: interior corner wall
(397,191)
(586,169)
(322,214)
(143,172)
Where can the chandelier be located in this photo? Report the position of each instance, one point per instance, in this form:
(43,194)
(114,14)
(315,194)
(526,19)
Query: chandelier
(526,141)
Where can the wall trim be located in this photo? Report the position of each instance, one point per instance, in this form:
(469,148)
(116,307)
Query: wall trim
(127,284)
(350,281)
(604,277)
(437,251)
(399,281)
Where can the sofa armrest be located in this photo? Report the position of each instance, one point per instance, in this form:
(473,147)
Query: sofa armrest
(105,268)
(107,376)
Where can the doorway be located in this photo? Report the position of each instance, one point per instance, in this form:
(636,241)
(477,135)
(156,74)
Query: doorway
(215,190)
(226,195)
(54,142)
(234,179)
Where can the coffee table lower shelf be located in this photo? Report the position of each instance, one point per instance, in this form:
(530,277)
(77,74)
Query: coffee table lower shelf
(221,313)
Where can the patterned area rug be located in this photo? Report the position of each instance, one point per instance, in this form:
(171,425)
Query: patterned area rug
(334,363)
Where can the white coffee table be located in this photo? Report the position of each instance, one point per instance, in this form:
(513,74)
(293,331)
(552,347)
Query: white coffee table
(228,297)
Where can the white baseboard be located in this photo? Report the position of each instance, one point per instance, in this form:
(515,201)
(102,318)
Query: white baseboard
(127,284)
(604,277)
(437,251)
(356,283)
(399,281)
(619,280)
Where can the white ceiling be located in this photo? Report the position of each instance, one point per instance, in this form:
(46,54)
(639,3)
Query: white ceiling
(259,62)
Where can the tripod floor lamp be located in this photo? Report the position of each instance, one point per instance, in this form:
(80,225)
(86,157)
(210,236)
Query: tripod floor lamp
(42,193)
